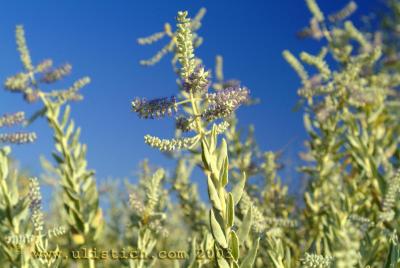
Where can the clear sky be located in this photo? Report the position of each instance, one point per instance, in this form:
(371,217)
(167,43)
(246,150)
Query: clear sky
(99,39)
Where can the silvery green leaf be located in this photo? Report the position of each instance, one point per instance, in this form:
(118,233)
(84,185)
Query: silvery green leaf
(65,116)
(249,260)
(205,154)
(222,263)
(393,258)
(244,229)
(69,130)
(224,173)
(213,139)
(213,194)
(230,210)
(237,190)
(222,154)
(234,244)
(217,230)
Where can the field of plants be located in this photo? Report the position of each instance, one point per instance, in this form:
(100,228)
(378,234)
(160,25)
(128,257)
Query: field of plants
(347,216)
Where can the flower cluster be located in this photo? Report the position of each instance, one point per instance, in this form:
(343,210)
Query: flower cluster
(220,105)
(147,204)
(184,124)
(35,198)
(56,74)
(29,81)
(136,204)
(389,201)
(224,102)
(155,108)
(18,82)
(9,120)
(171,144)
(12,119)
(197,82)
(44,65)
(344,13)
(72,93)
(317,261)
(231,97)
(17,138)
(184,45)
(21,83)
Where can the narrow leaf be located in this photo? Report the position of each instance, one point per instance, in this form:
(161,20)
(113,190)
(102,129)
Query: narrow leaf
(217,231)
(249,260)
(234,244)
(230,209)
(213,194)
(244,229)
(237,190)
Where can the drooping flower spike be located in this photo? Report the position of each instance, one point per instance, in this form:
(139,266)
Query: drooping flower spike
(9,120)
(156,108)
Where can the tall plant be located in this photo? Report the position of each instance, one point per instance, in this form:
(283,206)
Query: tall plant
(77,183)
(215,163)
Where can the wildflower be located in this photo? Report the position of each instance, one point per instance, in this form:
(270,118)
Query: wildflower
(155,108)
(389,200)
(23,48)
(56,74)
(9,120)
(18,82)
(35,196)
(31,95)
(17,138)
(224,102)
(44,66)
(315,10)
(21,83)
(313,31)
(197,82)
(314,260)
(215,112)
(12,119)
(170,145)
(363,96)
(344,13)
(184,124)
(221,127)
(36,204)
(232,97)
(184,46)
(151,39)
(56,231)
(72,93)
(136,204)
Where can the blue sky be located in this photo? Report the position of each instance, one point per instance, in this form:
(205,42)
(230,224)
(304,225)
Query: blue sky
(99,39)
